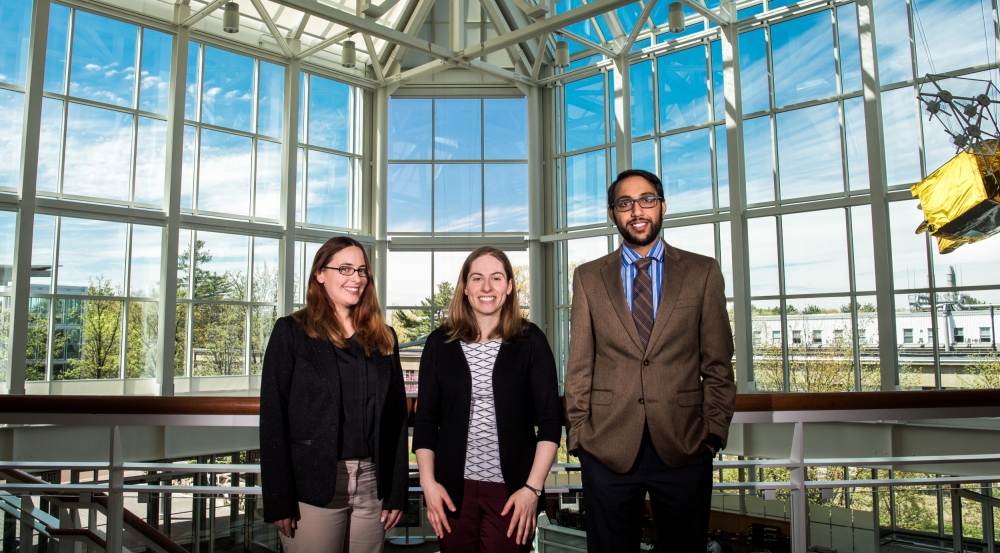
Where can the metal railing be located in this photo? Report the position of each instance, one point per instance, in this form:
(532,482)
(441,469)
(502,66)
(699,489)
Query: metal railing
(114,412)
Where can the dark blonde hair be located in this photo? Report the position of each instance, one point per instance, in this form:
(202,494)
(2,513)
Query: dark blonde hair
(319,318)
(461,322)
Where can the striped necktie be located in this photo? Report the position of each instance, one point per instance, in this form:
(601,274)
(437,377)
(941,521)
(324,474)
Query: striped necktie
(642,299)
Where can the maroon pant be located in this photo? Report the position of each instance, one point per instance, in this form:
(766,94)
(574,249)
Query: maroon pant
(479,527)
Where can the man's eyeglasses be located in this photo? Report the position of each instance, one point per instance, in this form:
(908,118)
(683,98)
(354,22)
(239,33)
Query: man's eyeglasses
(645,202)
(347,270)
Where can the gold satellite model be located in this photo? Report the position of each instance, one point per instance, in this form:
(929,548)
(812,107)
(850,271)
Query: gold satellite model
(961,200)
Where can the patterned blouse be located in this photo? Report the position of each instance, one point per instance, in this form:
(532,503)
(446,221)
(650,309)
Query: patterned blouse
(482,457)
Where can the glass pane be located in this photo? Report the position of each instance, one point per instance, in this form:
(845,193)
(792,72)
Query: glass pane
(696,238)
(184,261)
(803,59)
(56,49)
(38,339)
(899,125)
(939,23)
(271,95)
(722,165)
(762,238)
(718,84)
(227,90)
(87,340)
(12,119)
(91,257)
(409,208)
(758,162)
(683,85)
(217,339)
(328,197)
(15,19)
(7,231)
(155,80)
(410,129)
(584,113)
(815,252)
(753,72)
(505,197)
(641,99)
(6,309)
(150,161)
(193,84)
(265,269)
(586,189)
(686,160)
(140,341)
(224,173)
(809,160)
(457,133)
(145,270)
(644,155)
(267,198)
(458,198)
(447,267)
(864,249)
(506,133)
(892,35)
(220,266)
(916,340)
(181,366)
(768,366)
(104,56)
(187,166)
(867,336)
(580,251)
(850,47)
(42,254)
(98,153)
(49,145)
(262,318)
(857,143)
(909,250)
(329,114)
(976,264)
(408,278)
(821,349)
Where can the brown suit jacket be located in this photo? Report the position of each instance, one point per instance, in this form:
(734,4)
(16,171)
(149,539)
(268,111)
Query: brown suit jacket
(682,384)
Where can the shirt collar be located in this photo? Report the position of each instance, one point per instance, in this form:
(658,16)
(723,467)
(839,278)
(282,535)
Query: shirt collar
(629,255)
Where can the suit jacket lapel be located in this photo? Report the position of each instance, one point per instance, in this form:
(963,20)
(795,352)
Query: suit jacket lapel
(673,276)
(612,273)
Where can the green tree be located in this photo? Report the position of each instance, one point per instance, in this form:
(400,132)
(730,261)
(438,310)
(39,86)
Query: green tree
(413,324)
(100,332)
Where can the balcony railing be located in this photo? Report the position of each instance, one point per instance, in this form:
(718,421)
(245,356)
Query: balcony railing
(109,495)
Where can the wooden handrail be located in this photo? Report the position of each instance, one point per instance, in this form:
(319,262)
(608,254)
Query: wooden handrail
(834,401)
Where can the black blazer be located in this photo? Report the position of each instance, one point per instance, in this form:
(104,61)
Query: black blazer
(300,419)
(525,395)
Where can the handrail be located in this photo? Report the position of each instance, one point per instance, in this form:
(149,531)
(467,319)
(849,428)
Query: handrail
(250,406)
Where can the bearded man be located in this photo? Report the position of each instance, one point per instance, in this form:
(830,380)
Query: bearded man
(649,382)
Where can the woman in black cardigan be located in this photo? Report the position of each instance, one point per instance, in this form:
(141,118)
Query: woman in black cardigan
(333,413)
(487,380)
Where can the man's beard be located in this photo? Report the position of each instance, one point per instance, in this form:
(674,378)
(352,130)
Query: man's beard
(652,233)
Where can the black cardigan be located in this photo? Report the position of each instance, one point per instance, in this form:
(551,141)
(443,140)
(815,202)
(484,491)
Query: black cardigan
(525,394)
(300,418)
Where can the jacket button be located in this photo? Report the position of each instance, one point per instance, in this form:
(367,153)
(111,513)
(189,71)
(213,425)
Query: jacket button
(645,362)
(642,401)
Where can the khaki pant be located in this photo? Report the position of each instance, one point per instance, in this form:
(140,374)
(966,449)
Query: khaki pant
(350,523)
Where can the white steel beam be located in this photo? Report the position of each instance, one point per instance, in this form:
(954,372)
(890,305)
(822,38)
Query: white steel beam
(322,45)
(412,27)
(742,321)
(25,223)
(585,43)
(373,56)
(202,13)
(515,52)
(717,18)
(539,28)
(643,17)
(379,193)
(272,28)
(166,338)
(289,172)
(358,24)
(539,57)
(880,205)
(536,209)
(299,28)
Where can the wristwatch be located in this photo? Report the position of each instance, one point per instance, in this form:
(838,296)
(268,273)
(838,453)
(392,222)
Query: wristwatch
(538,493)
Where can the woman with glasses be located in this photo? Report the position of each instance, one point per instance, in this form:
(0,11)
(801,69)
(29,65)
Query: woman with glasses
(333,413)
(487,380)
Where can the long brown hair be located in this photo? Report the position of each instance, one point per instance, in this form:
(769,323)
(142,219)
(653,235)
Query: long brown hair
(319,318)
(461,323)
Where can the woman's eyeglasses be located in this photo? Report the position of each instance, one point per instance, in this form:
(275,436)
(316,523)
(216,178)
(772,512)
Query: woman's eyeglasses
(347,270)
